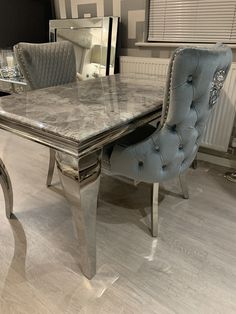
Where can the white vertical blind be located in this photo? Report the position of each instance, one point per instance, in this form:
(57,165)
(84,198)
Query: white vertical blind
(192,21)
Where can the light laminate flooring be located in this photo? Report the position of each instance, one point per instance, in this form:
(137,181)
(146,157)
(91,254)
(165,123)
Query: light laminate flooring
(190,268)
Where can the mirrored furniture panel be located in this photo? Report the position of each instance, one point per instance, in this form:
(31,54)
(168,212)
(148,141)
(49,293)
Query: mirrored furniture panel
(95,43)
(11,79)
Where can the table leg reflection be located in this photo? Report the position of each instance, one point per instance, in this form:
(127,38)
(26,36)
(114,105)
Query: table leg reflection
(81,191)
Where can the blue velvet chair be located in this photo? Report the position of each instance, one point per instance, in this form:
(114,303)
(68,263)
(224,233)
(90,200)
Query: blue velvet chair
(195,78)
(45,65)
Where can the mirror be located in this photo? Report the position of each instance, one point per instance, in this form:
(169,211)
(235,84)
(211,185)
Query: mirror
(95,43)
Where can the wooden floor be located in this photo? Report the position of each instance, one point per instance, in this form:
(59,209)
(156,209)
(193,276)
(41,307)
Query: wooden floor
(191,268)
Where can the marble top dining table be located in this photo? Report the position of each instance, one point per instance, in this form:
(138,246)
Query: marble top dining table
(78,119)
(69,117)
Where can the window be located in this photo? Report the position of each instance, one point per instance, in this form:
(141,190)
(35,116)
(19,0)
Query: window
(192,21)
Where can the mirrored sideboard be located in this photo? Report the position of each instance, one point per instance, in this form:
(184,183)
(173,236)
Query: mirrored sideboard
(11,80)
(95,43)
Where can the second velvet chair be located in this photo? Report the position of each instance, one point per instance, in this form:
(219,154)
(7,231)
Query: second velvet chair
(45,65)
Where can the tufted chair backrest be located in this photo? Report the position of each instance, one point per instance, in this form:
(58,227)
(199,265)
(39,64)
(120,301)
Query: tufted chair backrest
(48,64)
(195,78)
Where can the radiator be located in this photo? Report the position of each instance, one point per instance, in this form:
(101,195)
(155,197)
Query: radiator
(219,128)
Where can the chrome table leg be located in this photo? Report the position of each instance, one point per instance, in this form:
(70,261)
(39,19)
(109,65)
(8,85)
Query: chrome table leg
(7,189)
(82,193)
(51,166)
(194,163)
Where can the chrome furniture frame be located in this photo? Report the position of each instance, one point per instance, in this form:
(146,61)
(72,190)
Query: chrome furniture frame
(7,189)
(109,27)
(154,205)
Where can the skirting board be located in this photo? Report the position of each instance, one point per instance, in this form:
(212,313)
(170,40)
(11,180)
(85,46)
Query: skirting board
(229,163)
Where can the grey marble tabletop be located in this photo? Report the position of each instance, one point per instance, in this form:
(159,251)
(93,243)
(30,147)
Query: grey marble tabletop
(85,109)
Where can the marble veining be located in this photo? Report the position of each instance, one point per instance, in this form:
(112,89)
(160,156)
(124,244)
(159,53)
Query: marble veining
(81,110)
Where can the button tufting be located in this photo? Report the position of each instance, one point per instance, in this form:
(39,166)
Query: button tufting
(171,127)
(181,146)
(190,79)
(157,148)
(164,167)
(140,163)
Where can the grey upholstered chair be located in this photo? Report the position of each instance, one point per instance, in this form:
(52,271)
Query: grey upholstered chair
(195,78)
(45,65)
(7,189)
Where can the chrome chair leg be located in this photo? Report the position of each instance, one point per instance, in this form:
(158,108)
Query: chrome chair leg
(194,163)
(82,195)
(183,185)
(7,189)
(52,161)
(154,209)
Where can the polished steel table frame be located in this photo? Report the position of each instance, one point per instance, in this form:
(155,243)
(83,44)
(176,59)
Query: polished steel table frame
(82,190)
